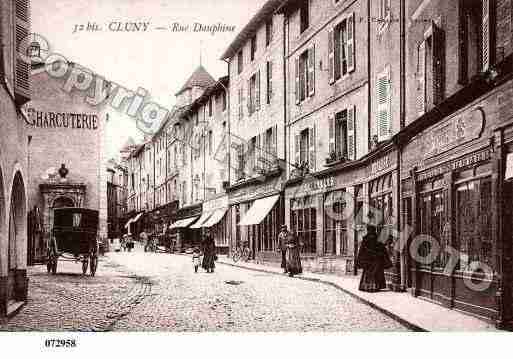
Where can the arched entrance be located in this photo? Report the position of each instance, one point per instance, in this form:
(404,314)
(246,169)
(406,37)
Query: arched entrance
(16,281)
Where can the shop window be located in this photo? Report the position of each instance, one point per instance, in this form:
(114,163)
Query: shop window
(335,233)
(434,222)
(474,221)
(303,216)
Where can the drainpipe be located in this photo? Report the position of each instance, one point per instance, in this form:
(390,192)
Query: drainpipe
(285,117)
(402,118)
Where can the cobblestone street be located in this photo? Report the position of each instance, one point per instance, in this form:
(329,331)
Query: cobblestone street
(146,291)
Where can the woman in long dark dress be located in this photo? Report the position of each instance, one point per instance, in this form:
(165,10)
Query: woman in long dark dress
(293,262)
(373,259)
(209,252)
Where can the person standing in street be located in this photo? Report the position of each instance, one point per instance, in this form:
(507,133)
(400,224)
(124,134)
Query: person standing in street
(209,252)
(282,243)
(373,259)
(293,259)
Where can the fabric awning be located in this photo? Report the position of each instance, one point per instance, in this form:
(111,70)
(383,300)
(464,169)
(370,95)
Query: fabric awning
(258,211)
(204,217)
(215,217)
(183,223)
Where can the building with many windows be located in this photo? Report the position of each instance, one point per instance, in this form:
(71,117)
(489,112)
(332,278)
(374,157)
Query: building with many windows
(257,129)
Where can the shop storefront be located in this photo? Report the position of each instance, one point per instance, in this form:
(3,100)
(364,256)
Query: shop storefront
(256,213)
(319,210)
(455,189)
(181,232)
(218,222)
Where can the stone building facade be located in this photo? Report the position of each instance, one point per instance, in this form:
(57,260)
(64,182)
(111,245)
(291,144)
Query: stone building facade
(14,175)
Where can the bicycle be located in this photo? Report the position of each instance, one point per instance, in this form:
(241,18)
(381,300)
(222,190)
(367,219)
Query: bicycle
(241,252)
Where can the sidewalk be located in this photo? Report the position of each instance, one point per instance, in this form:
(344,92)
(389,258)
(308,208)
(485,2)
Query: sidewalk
(417,314)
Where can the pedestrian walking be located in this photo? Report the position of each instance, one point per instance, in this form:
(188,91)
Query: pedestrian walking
(282,243)
(373,259)
(209,252)
(196,259)
(293,259)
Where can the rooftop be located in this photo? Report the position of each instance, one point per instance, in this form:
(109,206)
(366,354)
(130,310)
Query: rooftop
(199,78)
(252,27)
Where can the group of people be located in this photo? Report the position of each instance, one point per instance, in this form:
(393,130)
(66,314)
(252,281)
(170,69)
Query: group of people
(372,257)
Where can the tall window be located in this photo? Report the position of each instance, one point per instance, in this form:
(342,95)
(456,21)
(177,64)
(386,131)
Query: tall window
(240,61)
(223,100)
(341,50)
(253,44)
(304,14)
(342,135)
(269,84)
(239,96)
(305,75)
(384,14)
(210,107)
(268,32)
(335,239)
(210,144)
(305,150)
(303,217)
(430,69)
(254,93)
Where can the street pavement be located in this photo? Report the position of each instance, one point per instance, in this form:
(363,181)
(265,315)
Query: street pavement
(141,291)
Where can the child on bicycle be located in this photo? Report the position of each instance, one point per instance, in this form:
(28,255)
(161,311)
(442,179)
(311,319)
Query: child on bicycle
(196,259)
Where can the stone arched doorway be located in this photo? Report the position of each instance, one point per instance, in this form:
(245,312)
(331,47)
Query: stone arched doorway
(17,234)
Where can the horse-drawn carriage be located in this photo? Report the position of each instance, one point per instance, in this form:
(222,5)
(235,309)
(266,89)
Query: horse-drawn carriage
(74,238)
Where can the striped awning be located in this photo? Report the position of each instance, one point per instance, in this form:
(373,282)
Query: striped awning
(215,217)
(183,223)
(258,211)
(204,217)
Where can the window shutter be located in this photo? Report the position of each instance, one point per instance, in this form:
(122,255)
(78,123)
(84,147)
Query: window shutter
(264,152)
(421,79)
(297,149)
(438,64)
(296,74)
(22,69)
(311,70)
(275,142)
(311,151)
(350,43)
(257,98)
(351,133)
(383,95)
(331,55)
(257,151)
(331,133)
(486,28)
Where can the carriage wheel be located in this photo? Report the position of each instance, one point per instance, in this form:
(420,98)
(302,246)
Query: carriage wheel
(85,263)
(94,265)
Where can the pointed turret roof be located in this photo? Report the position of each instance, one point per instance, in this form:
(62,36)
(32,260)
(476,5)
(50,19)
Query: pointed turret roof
(200,78)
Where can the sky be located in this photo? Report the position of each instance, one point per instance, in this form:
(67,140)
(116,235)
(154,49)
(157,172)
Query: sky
(159,61)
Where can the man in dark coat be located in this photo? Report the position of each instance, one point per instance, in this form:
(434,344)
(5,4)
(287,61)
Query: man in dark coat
(283,239)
